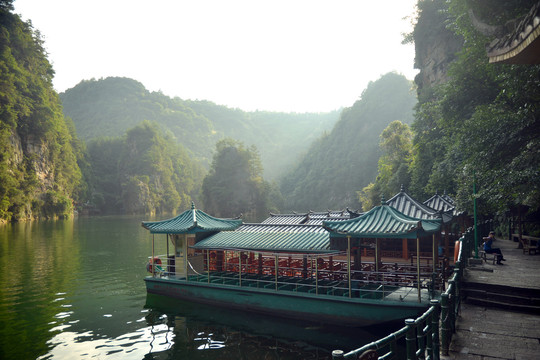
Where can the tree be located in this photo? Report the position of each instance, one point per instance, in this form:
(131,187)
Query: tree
(142,172)
(235,185)
(393,167)
(39,174)
(482,121)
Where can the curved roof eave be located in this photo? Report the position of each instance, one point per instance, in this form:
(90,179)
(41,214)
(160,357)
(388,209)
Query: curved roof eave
(191,222)
(383,221)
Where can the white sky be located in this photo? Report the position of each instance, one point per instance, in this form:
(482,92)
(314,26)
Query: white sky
(290,55)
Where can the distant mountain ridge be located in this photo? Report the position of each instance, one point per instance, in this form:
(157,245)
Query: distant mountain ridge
(345,160)
(111,106)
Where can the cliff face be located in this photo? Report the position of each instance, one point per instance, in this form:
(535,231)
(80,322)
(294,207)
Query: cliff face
(30,162)
(39,173)
(435,45)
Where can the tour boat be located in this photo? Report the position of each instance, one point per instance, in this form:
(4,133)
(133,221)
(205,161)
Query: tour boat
(339,268)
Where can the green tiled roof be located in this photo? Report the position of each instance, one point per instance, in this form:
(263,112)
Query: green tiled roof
(271,237)
(383,222)
(190,222)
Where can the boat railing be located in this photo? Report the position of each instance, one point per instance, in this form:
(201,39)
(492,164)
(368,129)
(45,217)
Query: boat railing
(372,286)
(309,280)
(430,335)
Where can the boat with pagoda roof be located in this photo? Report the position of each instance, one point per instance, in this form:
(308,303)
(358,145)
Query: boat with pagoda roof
(339,267)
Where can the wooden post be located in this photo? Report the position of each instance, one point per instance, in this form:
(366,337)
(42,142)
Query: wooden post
(276,265)
(377,255)
(304,267)
(208,264)
(317,275)
(405,249)
(418,268)
(184,252)
(240,268)
(349,264)
(435,252)
(152,261)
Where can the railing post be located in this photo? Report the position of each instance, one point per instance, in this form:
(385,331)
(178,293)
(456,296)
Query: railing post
(445,329)
(457,281)
(452,301)
(421,340)
(410,339)
(337,354)
(435,329)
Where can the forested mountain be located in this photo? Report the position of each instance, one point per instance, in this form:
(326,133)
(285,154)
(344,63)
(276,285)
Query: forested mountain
(108,107)
(39,174)
(345,160)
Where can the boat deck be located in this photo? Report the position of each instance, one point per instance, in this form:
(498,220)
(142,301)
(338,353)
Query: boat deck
(372,290)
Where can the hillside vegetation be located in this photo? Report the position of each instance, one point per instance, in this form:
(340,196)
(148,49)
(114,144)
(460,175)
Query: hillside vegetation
(345,159)
(479,124)
(111,106)
(39,173)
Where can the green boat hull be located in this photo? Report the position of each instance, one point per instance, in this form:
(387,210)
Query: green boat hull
(329,309)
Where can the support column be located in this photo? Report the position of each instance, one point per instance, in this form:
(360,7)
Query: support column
(405,247)
(418,269)
(349,264)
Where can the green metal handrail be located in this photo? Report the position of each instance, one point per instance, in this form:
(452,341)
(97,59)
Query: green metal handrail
(422,334)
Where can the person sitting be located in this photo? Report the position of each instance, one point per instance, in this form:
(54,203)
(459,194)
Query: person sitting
(488,242)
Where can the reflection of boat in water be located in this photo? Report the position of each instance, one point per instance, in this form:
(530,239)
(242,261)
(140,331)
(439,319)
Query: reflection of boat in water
(311,271)
(188,326)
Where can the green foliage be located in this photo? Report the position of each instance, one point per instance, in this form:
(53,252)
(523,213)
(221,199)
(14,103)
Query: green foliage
(345,160)
(56,204)
(482,122)
(142,172)
(234,185)
(393,167)
(36,147)
(108,107)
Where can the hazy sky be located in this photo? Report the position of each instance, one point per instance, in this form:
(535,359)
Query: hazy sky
(291,55)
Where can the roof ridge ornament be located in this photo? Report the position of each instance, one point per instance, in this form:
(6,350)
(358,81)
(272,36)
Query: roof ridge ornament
(192,205)
(402,188)
(383,201)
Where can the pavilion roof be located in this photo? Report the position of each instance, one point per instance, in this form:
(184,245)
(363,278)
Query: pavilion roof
(383,221)
(311,217)
(190,222)
(272,238)
(522,44)
(438,202)
(412,207)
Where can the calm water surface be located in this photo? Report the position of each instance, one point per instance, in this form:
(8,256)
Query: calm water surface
(74,289)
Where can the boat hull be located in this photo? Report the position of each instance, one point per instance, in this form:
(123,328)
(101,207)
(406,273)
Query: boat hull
(330,309)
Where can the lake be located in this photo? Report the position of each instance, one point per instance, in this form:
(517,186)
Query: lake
(74,289)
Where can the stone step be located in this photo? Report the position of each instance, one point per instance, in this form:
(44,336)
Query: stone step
(522,308)
(503,297)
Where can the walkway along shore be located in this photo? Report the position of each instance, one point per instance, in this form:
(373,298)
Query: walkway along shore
(496,326)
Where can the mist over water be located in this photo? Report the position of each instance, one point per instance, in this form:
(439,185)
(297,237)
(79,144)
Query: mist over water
(75,289)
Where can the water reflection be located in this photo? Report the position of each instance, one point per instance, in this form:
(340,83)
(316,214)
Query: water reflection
(74,289)
(190,330)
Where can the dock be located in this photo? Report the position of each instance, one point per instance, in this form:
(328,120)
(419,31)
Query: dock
(500,312)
